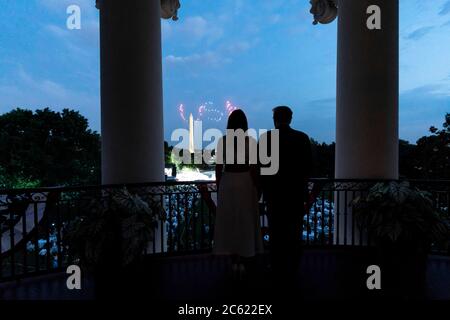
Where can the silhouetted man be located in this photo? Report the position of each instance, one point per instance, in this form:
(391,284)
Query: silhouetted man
(286,193)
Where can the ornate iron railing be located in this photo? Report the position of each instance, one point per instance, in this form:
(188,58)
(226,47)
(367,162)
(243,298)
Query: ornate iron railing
(33,221)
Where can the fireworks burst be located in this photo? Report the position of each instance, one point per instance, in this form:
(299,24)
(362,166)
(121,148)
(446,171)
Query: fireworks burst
(230,107)
(207,111)
(201,110)
(210,113)
(181,112)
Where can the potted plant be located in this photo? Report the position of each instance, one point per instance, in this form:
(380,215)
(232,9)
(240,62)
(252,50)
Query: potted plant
(403,223)
(111,236)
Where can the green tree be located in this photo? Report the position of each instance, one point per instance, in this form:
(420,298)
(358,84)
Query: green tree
(406,159)
(323,159)
(48,148)
(432,155)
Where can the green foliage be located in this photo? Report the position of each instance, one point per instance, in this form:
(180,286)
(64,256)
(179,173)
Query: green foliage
(323,159)
(168,153)
(10,181)
(430,157)
(118,227)
(395,212)
(48,148)
(174,156)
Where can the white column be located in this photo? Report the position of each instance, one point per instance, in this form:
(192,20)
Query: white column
(367,102)
(131,91)
(367,92)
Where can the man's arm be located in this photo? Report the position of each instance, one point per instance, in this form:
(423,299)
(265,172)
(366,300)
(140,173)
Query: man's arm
(219,161)
(219,170)
(308,158)
(263,179)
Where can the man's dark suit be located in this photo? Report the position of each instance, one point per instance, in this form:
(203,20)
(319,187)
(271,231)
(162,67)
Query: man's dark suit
(286,193)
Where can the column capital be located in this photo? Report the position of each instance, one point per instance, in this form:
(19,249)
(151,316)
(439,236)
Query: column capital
(324,11)
(169,8)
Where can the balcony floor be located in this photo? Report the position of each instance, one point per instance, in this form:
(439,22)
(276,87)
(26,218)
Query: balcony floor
(324,274)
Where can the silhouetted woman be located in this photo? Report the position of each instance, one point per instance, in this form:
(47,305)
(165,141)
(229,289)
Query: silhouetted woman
(237,228)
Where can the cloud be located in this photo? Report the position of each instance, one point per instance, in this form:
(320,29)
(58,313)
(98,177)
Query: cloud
(45,86)
(421,108)
(438,90)
(199,28)
(56,31)
(23,90)
(87,6)
(80,40)
(274,18)
(322,102)
(223,55)
(422,90)
(84,41)
(327,107)
(239,46)
(208,58)
(419,33)
(445,8)
(446,24)
(192,29)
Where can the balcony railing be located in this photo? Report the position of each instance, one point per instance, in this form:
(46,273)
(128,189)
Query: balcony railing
(33,221)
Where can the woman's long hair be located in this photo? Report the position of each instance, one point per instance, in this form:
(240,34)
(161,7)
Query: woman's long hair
(237,120)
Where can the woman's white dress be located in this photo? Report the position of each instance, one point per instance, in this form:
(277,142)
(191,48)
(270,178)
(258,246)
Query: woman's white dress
(237,226)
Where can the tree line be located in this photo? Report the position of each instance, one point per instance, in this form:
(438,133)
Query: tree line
(50,148)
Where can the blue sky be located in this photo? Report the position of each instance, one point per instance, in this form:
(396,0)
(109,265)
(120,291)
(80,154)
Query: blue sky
(257,56)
